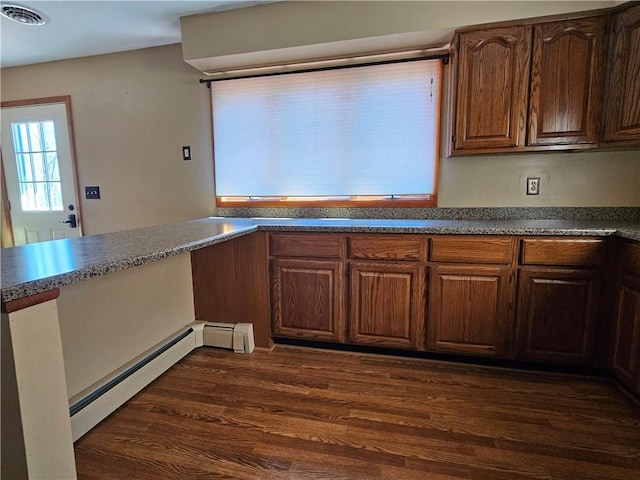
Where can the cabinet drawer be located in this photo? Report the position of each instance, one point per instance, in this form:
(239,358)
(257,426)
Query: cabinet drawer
(305,245)
(464,249)
(555,251)
(385,247)
(630,257)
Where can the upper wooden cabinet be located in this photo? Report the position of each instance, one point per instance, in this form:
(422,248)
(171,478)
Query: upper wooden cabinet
(540,85)
(493,72)
(566,82)
(623,87)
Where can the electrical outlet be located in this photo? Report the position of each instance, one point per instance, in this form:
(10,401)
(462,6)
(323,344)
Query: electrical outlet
(533,185)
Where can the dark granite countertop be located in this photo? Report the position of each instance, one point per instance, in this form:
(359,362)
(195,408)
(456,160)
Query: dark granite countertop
(39,267)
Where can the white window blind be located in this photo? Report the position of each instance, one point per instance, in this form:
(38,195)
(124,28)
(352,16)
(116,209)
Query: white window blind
(361,131)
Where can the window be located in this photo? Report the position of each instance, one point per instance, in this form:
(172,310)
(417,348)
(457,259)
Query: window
(351,136)
(37,161)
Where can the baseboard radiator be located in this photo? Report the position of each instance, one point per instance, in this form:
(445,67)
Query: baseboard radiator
(94,404)
(235,336)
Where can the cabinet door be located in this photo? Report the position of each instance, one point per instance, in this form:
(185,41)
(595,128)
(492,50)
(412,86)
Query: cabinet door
(469,309)
(307,299)
(623,89)
(387,304)
(493,73)
(557,314)
(567,81)
(625,358)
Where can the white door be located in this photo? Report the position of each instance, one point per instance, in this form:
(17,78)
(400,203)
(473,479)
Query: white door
(40,173)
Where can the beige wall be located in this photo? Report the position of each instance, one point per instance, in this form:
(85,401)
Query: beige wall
(106,322)
(132,112)
(584,179)
(298,30)
(283,31)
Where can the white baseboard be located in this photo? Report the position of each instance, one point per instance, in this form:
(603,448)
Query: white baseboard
(96,403)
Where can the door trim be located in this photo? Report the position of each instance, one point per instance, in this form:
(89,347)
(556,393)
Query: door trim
(7,225)
(66,99)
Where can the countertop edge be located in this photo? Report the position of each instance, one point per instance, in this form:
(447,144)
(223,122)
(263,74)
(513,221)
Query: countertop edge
(24,289)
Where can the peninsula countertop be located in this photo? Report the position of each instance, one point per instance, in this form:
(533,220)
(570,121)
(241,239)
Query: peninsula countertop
(39,267)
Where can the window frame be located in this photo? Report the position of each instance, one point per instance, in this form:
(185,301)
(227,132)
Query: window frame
(355,201)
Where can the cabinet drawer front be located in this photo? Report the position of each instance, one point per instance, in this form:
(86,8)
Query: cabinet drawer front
(572,251)
(378,247)
(485,249)
(630,257)
(305,245)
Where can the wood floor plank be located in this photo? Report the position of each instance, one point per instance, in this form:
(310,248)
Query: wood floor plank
(307,414)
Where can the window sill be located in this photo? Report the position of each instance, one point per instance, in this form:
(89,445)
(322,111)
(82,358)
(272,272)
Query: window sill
(408,201)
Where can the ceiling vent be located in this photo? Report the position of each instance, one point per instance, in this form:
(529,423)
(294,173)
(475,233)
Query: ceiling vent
(23,15)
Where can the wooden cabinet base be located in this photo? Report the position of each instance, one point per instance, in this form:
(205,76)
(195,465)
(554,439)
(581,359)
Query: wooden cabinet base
(231,284)
(625,355)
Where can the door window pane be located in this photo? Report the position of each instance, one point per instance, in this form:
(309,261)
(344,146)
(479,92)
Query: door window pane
(53,171)
(38,169)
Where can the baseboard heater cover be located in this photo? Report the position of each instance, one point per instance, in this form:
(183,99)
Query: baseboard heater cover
(234,336)
(90,407)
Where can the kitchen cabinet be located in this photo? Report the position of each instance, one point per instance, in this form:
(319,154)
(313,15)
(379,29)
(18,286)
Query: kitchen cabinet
(530,86)
(470,295)
(493,71)
(625,350)
(622,120)
(387,285)
(559,288)
(567,79)
(307,286)
(527,298)
(308,299)
(231,284)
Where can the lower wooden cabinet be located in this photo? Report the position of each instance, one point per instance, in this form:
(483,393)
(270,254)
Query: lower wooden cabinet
(625,351)
(387,304)
(307,299)
(557,314)
(231,284)
(454,294)
(469,308)
(625,355)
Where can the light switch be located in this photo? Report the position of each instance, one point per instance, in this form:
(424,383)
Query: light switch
(92,193)
(186,153)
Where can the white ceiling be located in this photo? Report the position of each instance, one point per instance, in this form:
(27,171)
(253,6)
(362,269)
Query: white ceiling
(91,27)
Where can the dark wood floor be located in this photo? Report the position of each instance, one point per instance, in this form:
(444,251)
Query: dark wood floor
(299,413)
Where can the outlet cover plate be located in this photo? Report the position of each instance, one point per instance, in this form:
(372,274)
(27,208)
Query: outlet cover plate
(533,185)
